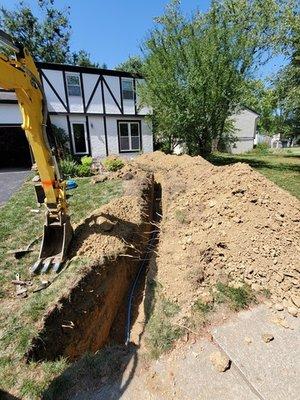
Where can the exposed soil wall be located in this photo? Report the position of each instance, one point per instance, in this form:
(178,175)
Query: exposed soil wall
(113,238)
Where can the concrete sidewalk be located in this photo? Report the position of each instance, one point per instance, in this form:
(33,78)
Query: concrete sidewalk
(258,371)
(10,181)
(271,369)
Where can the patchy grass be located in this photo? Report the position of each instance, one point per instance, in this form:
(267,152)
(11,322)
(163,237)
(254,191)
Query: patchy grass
(160,332)
(20,319)
(181,216)
(19,226)
(201,314)
(237,298)
(266,293)
(203,308)
(280,166)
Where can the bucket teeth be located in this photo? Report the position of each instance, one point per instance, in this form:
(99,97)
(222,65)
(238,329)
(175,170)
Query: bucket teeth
(36,267)
(46,265)
(57,265)
(55,243)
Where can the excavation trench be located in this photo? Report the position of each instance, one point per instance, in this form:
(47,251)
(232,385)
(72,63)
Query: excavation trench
(82,321)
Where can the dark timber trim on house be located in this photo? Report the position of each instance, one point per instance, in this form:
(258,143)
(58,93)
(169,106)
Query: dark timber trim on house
(86,70)
(112,95)
(55,91)
(66,91)
(8,101)
(104,117)
(10,125)
(109,93)
(82,93)
(134,96)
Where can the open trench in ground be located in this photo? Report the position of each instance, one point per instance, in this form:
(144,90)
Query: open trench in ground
(95,312)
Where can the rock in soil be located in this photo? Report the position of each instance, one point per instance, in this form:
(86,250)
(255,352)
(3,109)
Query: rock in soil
(279,307)
(293,311)
(220,361)
(267,337)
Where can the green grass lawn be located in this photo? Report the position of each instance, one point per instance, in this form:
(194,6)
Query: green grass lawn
(20,319)
(18,225)
(281,166)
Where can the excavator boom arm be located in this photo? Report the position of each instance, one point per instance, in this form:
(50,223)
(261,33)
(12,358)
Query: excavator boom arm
(23,79)
(20,75)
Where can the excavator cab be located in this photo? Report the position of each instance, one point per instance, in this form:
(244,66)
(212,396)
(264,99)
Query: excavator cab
(19,73)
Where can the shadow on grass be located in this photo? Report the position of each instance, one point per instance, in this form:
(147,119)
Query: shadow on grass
(255,161)
(94,376)
(7,396)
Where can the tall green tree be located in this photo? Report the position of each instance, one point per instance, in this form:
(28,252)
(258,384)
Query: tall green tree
(196,70)
(287,82)
(83,59)
(47,38)
(134,65)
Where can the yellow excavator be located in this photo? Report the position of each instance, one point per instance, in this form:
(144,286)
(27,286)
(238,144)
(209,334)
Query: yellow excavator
(18,73)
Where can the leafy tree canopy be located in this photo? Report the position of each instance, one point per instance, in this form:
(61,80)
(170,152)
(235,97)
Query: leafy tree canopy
(198,70)
(133,64)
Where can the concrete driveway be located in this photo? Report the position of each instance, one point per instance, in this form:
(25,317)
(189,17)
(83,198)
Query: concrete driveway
(10,181)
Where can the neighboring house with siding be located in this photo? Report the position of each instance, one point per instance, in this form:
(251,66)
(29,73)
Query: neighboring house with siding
(245,125)
(98,108)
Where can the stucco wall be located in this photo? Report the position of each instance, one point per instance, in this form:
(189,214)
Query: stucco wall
(97,136)
(10,114)
(112,136)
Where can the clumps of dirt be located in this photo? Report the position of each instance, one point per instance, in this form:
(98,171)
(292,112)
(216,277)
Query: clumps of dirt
(107,231)
(223,224)
(111,229)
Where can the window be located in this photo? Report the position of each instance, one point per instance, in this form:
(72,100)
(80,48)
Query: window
(79,138)
(129,136)
(127,89)
(73,85)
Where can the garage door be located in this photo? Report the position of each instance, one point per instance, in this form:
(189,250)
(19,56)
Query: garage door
(14,148)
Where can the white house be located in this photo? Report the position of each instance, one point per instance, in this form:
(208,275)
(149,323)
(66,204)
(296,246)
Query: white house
(245,124)
(98,108)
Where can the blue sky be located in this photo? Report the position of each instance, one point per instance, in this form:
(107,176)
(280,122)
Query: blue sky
(112,30)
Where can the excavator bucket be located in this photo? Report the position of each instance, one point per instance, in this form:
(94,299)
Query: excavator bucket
(55,243)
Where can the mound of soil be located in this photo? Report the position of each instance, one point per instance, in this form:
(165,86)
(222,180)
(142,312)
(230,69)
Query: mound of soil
(111,229)
(227,224)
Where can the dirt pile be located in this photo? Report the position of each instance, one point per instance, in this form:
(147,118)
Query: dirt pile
(227,224)
(111,229)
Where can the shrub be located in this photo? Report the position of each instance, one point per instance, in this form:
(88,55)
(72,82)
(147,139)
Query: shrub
(113,164)
(83,170)
(87,160)
(262,148)
(68,168)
